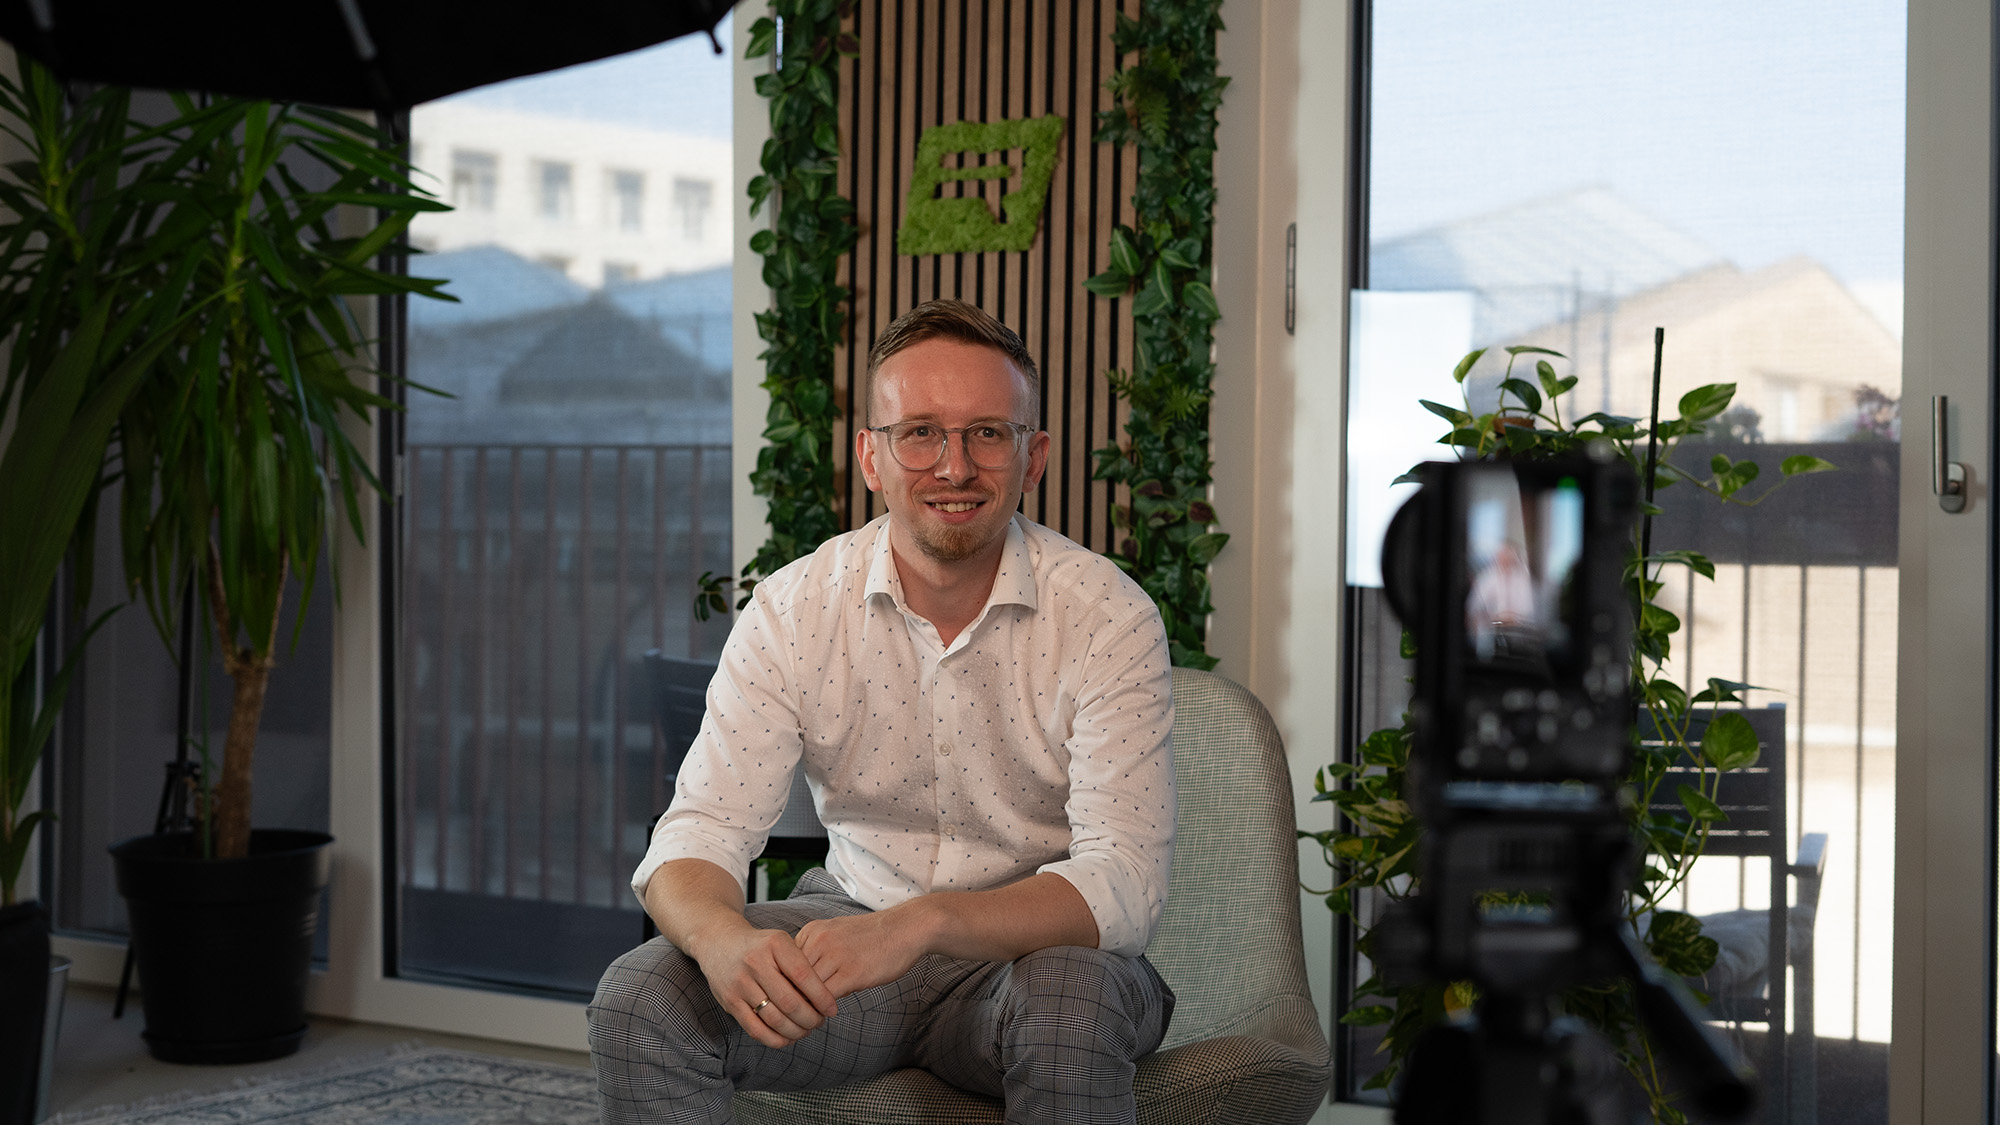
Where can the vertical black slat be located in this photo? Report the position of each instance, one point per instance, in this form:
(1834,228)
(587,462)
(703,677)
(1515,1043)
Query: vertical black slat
(997,187)
(579,893)
(938,85)
(895,116)
(1085,154)
(448,578)
(854,270)
(548,669)
(1048,235)
(659,766)
(1079,147)
(616,668)
(918,57)
(875,235)
(476,804)
(978,186)
(1114,305)
(512,674)
(1860,717)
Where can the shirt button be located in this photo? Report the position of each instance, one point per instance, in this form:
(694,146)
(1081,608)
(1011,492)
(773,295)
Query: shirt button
(944,749)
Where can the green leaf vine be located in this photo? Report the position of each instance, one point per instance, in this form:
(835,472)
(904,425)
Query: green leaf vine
(812,226)
(1168,97)
(1374,850)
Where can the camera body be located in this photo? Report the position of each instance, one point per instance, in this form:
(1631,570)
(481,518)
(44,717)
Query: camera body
(1510,577)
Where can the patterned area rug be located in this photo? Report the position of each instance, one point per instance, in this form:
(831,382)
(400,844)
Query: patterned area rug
(429,1086)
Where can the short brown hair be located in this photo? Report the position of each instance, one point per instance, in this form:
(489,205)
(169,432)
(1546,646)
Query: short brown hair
(951,320)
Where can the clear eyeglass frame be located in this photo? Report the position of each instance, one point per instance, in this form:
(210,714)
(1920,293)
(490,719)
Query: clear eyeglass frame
(918,446)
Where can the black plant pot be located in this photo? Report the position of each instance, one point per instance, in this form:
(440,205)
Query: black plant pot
(24,990)
(223,946)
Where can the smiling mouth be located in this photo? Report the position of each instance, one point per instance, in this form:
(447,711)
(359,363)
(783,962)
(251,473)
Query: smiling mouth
(955,505)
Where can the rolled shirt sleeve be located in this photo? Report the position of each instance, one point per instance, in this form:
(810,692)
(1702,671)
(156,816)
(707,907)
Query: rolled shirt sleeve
(733,785)
(1121,804)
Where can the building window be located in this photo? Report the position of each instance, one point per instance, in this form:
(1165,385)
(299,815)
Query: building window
(475,178)
(628,200)
(553,196)
(691,201)
(556,262)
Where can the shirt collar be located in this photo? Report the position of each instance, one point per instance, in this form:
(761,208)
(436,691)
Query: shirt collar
(1013,584)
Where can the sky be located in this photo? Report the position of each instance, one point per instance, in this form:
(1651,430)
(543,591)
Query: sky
(681,86)
(1765,128)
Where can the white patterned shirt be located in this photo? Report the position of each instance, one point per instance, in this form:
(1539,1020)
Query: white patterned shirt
(1037,740)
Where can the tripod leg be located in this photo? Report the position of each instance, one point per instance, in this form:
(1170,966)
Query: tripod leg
(124,985)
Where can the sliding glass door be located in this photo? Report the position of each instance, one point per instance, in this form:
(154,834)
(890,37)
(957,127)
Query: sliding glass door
(559,505)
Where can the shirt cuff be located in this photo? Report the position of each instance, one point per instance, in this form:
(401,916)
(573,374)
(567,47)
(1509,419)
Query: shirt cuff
(1123,907)
(671,842)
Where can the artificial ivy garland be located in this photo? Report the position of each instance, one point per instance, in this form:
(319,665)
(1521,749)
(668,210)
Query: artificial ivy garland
(1168,101)
(966,225)
(812,227)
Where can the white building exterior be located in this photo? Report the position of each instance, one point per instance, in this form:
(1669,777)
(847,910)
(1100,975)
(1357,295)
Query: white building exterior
(599,202)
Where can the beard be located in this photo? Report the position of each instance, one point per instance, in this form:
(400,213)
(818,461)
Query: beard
(952,543)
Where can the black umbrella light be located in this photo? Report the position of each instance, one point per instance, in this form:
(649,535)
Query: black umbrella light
(381,54)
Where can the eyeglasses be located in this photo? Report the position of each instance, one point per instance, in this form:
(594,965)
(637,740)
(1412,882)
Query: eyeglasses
(921,445)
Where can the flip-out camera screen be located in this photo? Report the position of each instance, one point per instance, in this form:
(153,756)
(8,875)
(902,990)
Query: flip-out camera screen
(1522,544)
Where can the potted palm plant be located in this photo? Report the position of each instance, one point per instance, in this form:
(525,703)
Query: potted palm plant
(237,463)
(83,329)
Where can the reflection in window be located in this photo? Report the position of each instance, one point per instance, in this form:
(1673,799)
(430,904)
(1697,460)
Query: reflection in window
(691,202)
(475,179)
(1638,168)
(628,198)
(559,508)
(552,190)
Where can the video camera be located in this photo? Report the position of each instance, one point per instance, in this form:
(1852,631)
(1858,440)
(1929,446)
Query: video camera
(1510,577)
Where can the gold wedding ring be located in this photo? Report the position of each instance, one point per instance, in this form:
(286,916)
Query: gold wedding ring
(761,1005)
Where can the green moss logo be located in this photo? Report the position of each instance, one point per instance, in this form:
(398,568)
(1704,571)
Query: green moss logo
(950,226)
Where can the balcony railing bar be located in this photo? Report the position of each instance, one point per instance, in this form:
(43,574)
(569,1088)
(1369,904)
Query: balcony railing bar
(406,750)
(513,666)
(447,564)
(1743,662)
(1798,750)
(478,685)
(659,763)
(1860,726)
(547,670)
(582,569)
(618,676)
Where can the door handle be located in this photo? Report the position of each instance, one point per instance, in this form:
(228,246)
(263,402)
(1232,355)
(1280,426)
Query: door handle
(1947,476)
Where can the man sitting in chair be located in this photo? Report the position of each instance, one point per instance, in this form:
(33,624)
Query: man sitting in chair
(982,708)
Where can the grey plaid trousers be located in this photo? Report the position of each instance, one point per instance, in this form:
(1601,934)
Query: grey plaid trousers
(1054,1034)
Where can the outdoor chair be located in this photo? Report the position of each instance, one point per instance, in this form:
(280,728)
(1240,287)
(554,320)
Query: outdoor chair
(1245,1043)
(1748,983)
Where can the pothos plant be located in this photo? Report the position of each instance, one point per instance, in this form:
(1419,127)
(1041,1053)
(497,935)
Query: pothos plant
(1168,100)
(1374,849)
(812,226)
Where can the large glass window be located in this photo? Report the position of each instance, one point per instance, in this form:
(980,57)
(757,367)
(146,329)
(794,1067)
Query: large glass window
(558,508)
(1573,175)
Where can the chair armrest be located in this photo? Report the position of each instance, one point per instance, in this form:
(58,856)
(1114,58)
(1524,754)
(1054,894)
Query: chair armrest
(1810,867)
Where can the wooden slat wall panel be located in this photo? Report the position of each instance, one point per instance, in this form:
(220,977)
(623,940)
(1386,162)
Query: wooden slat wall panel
(926,62)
